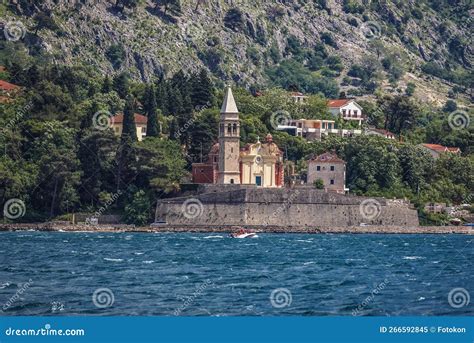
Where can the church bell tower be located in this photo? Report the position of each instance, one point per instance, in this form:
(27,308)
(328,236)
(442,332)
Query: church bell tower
(229,141)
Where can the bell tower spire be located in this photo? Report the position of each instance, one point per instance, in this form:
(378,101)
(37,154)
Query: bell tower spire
(229,141)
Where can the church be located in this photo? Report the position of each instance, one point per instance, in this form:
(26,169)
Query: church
(259,164)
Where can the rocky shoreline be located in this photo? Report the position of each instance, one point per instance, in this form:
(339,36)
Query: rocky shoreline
(226,229)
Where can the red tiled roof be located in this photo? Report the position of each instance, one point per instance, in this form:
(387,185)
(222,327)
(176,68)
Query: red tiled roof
(338,102)
(139,119)
(441,148)
(327,157)
(7,86)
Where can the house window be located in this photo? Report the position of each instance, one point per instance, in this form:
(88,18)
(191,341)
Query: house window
(231,150)
(318,168)
(202,170)
(329,126)
(215,158)
(332,182)
(232,181)
(324,125)
(343,112)
(332,168)
(143,129)
(300,125)
(356,113)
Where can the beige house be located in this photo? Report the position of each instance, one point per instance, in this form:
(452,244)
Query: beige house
(140,123)
(331,170)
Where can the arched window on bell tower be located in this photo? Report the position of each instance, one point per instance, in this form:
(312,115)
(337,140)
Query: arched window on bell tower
(234,129)
(229,129)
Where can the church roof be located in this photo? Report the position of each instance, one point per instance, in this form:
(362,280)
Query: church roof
(229,105)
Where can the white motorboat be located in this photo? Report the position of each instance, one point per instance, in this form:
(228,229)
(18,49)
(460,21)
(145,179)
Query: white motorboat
(242,233)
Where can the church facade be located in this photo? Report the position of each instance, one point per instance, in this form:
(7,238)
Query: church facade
(259,164)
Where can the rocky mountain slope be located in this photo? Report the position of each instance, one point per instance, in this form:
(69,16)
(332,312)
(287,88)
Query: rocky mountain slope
(238,40)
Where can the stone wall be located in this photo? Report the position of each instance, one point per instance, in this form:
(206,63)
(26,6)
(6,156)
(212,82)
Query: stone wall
(305,207)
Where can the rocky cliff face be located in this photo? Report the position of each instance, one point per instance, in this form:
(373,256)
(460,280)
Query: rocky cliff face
(236,39)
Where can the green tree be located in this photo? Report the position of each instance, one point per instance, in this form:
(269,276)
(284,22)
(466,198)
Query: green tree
(58,167)
(139,211)
(202,90)
(160,165)
(318,184)
(129,129)
(400,113)
(121,84)
(150,107)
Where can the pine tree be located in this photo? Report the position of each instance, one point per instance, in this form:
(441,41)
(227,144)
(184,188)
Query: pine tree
(121,85)
(202,90)
(153,129)
(129,129)
(106,85)
(175,101)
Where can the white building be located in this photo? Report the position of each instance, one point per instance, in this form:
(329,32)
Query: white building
(380,132)
(315,129)
(348,109)
(298,97)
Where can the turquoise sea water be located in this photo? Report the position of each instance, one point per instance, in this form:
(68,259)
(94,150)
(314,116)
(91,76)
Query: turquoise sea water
(57,273)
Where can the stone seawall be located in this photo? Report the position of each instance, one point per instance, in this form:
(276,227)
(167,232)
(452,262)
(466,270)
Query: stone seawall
(227,229)
(304,207)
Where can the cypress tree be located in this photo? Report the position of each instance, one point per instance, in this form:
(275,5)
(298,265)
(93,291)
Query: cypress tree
(152,129)
(129,128)
(175,101)
(173,130)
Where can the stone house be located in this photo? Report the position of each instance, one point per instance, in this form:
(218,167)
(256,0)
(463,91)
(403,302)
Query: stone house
(331,170)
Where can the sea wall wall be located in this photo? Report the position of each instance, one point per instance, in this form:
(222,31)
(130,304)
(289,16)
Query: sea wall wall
(304,207)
